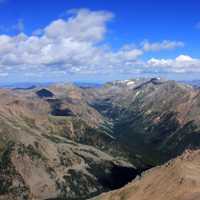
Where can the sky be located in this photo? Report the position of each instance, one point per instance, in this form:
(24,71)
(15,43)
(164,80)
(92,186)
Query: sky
(98,40)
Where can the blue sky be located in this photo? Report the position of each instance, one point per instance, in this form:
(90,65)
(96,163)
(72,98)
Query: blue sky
(98,40)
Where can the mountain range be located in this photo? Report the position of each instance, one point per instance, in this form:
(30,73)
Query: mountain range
(66,141)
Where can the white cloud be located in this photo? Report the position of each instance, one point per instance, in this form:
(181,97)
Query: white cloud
(72,45)
(84,26)
(76,45)
(180,64)
(164,45)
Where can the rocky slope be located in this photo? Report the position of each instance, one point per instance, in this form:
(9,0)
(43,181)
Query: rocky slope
(39,154)
(36,167)
(66,142)
(179,179)
(155,119)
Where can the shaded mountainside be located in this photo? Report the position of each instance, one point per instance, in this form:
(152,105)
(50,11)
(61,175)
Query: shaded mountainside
(179,179)
(155,119)
(66,142)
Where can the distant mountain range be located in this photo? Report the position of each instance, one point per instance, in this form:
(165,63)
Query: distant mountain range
(31,85)
(195,83)
(25,85)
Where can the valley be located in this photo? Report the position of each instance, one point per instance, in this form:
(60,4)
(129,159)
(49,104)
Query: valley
(63,141)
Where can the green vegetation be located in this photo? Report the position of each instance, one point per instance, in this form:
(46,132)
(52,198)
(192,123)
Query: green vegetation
(5,155)
(6,169)
(30,151)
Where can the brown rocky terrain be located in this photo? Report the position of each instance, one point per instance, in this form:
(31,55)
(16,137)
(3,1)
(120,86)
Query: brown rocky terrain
(178,179)
(66,142)
(39,155)
(155,119)
(50,167)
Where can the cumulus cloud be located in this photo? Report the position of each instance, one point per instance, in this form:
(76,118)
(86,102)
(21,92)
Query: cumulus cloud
(164,45)
(73,45)
(76,45)
(84,26)
(180,64)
